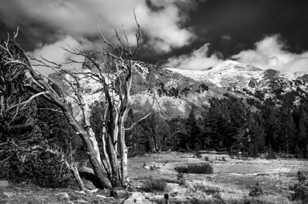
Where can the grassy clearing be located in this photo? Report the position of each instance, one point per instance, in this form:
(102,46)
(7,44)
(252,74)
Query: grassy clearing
(231,182)
(232,179)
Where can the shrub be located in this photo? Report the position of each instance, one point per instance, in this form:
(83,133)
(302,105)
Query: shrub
(44,169)
(153,185)
(198,155)
(300,193)
(203,168)
(180,178)
(256,190)
(301,177)
(300,189)
(209,190)
(271,155)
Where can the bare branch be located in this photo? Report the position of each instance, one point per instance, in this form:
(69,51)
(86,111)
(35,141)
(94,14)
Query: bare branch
(138,121)
(16,33)
(23,104)
(16,112)
(51,109)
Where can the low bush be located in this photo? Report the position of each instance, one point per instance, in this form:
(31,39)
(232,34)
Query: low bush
(300,189)
(270,155)
(44,169)
(154,185)
(203,168)
(180,178)
(256,190)
(198,155)
(209,190)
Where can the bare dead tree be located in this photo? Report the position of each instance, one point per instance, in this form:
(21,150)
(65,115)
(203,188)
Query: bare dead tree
(114,77)
(108,157)
(114,74)
(42,86)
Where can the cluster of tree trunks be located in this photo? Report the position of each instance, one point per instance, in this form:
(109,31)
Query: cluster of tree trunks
(107,151)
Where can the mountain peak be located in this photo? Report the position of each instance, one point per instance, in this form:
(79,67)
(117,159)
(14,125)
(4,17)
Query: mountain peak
(224,74)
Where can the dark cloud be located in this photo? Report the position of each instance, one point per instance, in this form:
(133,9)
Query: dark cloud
(44,20)
(249,21)
(31,36)
(173,28)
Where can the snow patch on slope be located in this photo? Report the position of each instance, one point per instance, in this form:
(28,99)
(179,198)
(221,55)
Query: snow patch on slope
(225,74)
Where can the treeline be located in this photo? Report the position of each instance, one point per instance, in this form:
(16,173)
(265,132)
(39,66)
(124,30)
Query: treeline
(232,124)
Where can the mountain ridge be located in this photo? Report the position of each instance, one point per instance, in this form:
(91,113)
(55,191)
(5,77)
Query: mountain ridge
(175,92)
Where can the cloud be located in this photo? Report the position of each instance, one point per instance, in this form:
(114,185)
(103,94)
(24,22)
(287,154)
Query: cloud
(270,53)
(56,53)
(197,60)
(89,17)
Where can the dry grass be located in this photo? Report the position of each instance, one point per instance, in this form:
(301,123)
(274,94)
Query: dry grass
(232,179)
(30,194)
(230,182)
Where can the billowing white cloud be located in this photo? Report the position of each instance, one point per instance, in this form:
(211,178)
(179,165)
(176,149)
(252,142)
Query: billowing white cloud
(269,53)
(89,17)
(57,53)
(197,60)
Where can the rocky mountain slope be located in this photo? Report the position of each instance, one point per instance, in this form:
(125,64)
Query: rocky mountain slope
(174,92)
(245,80)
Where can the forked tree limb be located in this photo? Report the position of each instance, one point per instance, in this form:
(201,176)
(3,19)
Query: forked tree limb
(138,121)
(25,103)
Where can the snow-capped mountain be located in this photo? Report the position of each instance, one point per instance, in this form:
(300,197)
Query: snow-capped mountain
(175,91)
(247,79)
(226,74)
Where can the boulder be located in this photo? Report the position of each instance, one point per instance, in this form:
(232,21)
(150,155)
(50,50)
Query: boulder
(137,198)
(89,185)
(153,165)
(4,196)
(63,196)
(175,189)
(119,193)
(4,184)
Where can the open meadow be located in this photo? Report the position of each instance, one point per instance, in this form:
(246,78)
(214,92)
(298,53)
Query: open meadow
(233,180)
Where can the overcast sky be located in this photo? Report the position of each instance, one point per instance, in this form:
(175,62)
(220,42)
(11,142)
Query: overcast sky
(187,34)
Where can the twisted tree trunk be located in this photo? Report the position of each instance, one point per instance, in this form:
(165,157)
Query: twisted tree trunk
(93,150)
